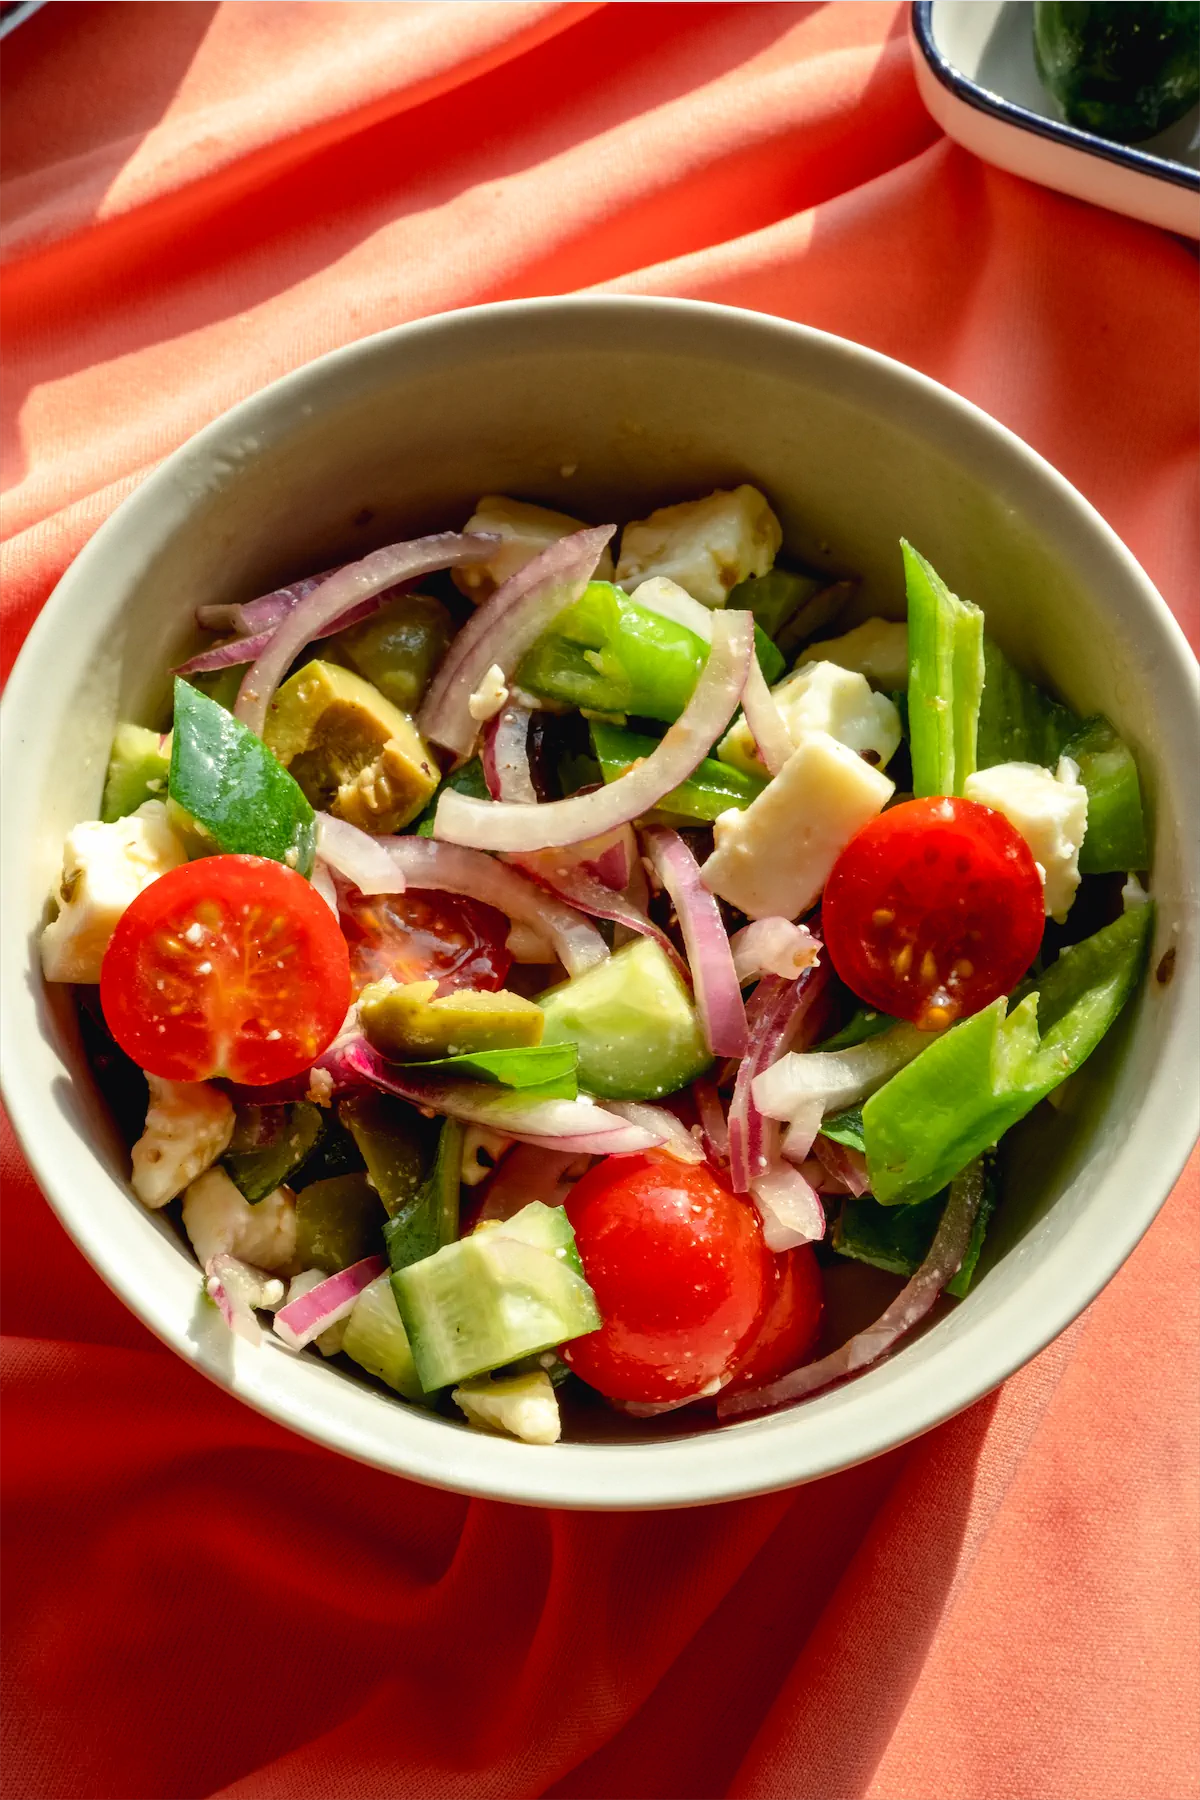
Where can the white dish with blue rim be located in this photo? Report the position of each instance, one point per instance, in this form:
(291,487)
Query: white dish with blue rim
(976,74)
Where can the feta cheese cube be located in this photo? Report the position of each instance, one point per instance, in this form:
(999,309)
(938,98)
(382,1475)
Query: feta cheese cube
(526,531)
(104,868)
(188,1125)
(706,546)
(877,648)
(774,858)
(525,1406)
(221,1222)
(1049,809)
(823,697)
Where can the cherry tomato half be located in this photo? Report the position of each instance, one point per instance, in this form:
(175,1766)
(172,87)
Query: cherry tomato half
(790,1324)
(422,935)
(934,909)
(680,1273)
(231,965)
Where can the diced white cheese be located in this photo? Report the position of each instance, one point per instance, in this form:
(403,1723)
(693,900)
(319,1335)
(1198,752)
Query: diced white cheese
(1049,809)
(104,868)
(188,1125)
(525,1406)
(526,531)
(823,697)
(706,546)
(329,1341)
(877,648)
(774,858)
(219,1220)
(490,696)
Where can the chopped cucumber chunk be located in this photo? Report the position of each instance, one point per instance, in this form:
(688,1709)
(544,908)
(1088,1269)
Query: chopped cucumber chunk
(269,1144)
(376,1340)
(488,1300)
(634,1022)
(137,771)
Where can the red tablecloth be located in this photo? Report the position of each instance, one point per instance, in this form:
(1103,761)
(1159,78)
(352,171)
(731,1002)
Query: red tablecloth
(197,198)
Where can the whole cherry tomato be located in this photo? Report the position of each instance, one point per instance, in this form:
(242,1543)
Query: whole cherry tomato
(680,1273)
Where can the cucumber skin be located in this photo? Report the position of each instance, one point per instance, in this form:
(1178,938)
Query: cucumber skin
(1123,71)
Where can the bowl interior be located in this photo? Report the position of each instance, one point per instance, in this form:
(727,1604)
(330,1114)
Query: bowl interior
(603,409)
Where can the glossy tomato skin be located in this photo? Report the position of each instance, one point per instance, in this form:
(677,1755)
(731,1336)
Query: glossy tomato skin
(228,966)
(423,935)
(933,910)
(680,1273)
(790,1324)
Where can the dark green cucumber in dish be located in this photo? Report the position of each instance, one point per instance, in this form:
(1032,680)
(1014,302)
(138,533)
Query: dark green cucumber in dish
(269,1144)
(1122,71)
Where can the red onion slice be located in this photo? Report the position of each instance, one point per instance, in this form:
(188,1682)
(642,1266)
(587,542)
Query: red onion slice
(772,947)
(348,588)
(612,857)
(846,1167)
(765,720)
(908,1308)
(677,1140)
(496,825)
(503,629)
(425,863)
(559,874)
(802,1132)
(306,1317)
(714,1131)
(838,1078)
(505,755)
(246,649)
(527,1173)
(660,595)
(780,1014)
(249,617)
(357,857)
(789,1207)
(574,1125)
(718,995)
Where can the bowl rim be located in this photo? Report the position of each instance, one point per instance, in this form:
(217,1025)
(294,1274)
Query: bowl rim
(896,1401)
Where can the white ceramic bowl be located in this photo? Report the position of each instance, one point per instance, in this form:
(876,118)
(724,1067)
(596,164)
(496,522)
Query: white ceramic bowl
(604,407)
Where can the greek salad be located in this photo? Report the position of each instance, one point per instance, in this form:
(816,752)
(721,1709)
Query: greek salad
(529,961)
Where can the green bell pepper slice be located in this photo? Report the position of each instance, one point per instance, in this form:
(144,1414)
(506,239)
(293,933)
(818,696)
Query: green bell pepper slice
(429,1221)
(1018,722)
(1115,840)
(711,789)
(229,783)
(960,1096)
(898,1238)
(607,654)
(945,678)
(776,597)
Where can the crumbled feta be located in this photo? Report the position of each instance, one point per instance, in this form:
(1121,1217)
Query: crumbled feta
(490,696)
(188,1125)
(526,531)
(823,697)
(320,1087)
(525,1406)
(104,868)
(773,859)
(877,648)
(706,546)
(1049,809)
(218,1220)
